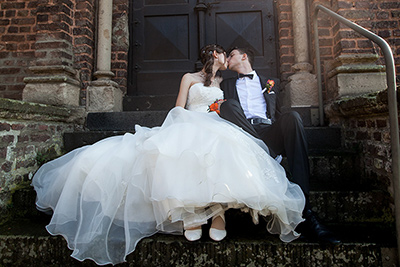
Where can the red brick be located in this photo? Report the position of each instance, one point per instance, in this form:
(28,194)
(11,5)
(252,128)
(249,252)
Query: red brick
(381,123)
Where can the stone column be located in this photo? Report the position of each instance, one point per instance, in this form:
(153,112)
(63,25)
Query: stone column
(103,94)
(53,79)
(303,86)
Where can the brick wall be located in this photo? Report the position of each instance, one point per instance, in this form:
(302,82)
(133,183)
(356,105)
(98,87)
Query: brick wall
(56,32)
(30,134)
(25,27)
(371,136)
(285,31)
(364,121)
(120,44)
(380,17)
(84,42)
(17,45)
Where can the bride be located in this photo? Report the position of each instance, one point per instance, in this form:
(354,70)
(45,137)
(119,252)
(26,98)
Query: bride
(108,196)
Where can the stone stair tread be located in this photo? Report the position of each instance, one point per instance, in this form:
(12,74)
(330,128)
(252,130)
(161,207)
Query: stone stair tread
(362,245)
(318,137)
(344,206)
(102,125)
(374,233)
(149,102)
(124,121)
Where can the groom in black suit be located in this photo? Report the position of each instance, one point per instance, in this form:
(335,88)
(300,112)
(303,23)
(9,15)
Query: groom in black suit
(256,109)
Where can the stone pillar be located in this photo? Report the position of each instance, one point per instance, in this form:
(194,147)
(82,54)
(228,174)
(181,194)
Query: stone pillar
(53,85)
(104,95)
(303,86)
(54,80)
(355,74)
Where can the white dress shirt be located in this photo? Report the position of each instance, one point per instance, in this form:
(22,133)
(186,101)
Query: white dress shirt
(251,97)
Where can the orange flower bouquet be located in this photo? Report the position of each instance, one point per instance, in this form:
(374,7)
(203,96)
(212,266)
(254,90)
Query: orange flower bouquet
(215,106)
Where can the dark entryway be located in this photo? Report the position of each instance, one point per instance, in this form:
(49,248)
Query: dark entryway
(165,37)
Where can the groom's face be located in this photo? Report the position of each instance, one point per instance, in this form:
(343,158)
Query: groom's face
(234,59)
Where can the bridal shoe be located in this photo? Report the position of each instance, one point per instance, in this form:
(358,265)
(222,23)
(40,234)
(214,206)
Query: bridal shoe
(193,235)
(216,234)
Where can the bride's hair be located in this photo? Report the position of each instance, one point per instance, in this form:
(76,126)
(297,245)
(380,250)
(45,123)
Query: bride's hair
(207,59)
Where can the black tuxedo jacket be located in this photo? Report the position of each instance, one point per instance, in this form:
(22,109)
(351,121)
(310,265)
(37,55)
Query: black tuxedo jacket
(228,86)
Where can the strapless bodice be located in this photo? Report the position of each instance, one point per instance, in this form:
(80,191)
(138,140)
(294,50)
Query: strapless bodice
(200,97)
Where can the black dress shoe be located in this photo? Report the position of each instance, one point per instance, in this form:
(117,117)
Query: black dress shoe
(313,230)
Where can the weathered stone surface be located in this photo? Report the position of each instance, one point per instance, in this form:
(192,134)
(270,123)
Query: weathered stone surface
(30,135)
(361,105)
(303,89)
(355,74)
(15,109)
(359,83)
(165,250)
(104,96)
(55,91)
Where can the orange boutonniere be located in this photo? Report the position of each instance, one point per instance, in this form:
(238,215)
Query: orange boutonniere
(215,106)
(269,85)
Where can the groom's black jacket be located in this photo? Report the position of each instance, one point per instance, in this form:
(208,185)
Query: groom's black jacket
(228,86)
(286,135)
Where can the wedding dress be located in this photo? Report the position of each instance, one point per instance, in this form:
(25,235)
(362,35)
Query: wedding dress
(108,196)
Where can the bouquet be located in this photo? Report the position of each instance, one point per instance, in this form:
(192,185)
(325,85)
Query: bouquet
(215,106)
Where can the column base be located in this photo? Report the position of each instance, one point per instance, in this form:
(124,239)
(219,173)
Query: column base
(56,94)
(352,75)
(303,88)
(104,96)
(53,85)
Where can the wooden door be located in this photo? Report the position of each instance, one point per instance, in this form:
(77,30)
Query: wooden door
(165,37)
(248,24)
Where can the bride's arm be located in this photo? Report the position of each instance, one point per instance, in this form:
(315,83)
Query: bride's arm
(183,90)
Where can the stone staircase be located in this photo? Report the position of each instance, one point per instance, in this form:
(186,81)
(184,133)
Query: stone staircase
(343,200)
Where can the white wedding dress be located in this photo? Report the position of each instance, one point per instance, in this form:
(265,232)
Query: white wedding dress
(108,196)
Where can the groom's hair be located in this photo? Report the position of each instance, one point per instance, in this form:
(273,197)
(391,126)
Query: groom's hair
(244,50)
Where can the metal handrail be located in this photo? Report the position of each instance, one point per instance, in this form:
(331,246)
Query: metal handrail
(392,99)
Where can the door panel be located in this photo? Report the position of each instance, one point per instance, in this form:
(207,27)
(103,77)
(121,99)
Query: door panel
(163,45)
(246,23)
(165,37)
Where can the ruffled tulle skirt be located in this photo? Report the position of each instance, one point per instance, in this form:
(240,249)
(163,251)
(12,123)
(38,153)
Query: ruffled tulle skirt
(107,196)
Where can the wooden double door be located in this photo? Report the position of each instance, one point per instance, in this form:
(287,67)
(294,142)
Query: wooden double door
(166,35)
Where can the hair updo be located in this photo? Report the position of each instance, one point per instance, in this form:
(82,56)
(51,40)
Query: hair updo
(207,59)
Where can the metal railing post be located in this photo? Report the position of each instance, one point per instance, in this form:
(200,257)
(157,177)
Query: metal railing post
(392,99)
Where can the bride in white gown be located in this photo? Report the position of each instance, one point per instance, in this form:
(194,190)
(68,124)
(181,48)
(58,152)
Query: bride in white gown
(108,196)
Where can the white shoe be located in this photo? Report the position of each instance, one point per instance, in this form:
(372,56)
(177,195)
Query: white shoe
(216,234)
(193,235)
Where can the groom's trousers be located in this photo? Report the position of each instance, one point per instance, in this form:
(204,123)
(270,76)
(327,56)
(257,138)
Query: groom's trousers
(286,136)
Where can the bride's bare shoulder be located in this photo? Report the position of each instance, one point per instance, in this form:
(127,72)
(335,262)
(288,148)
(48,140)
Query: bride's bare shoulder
(193,78)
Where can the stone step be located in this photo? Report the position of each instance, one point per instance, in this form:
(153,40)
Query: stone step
(124,121)
(335,207)
(325,137)
(309,115)
(149,102)
(28,244)
(318,137)
(330,168)
(318,144)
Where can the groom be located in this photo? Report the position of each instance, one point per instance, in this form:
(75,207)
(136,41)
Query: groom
(256,109)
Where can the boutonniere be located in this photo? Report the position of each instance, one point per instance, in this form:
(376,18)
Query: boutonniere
(215,106)
(268,85)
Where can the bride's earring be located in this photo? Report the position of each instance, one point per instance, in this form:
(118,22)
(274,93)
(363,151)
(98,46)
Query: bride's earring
(217,234)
